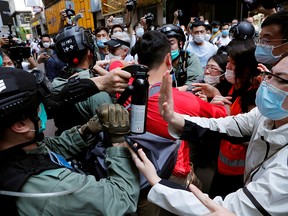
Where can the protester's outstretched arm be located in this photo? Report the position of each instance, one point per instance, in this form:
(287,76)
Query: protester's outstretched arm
(215,209)
(166,104)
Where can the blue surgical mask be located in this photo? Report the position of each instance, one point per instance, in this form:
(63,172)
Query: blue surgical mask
(175,54)
(43,118)
(214,30)
(225,32)
(100,43)
(140,32)
(269,101)
(265,55)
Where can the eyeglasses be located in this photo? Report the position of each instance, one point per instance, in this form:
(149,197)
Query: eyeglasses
(212,69)
(266,76)
(113,50)
(264,41)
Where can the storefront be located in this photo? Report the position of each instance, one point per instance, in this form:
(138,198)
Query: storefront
(37,27)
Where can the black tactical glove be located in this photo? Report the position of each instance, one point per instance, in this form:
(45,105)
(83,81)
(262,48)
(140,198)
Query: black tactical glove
(115,121)
(93,126)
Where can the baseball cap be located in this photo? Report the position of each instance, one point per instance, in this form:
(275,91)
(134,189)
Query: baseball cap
(114,42)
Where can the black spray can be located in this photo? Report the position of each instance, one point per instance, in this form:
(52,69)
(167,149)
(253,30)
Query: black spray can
(139,102)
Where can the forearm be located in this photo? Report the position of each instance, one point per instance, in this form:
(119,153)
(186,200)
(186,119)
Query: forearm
(177,122)
(68,144)
(32,62)
(39,59)
(175,200)
(122,171)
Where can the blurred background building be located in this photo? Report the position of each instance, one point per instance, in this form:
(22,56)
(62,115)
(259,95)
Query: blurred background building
(42,16)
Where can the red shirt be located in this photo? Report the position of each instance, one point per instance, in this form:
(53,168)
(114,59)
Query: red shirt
(184,103)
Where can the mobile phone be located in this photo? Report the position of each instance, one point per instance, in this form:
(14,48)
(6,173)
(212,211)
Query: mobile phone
(117,20)
(131,144)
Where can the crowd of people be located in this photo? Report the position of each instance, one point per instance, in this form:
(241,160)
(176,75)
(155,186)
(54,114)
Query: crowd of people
(220,89)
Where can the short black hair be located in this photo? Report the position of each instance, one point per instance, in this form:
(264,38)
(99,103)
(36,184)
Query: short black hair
(197,24)
(152,48)
(116,26)
(98,29)
(279,19)
(221,60)
(45,35)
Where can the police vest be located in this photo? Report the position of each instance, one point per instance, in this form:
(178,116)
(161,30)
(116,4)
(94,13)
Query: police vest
(15,168)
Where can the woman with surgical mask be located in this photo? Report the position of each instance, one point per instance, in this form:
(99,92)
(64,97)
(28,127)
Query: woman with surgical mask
(214,79)
(242,73)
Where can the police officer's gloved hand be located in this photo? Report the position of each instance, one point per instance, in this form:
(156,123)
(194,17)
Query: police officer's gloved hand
(115,121)
(93,126)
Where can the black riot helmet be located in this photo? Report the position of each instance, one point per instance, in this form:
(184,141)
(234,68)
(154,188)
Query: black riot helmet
(72,44)
(19,96)
(243,30)
(171,30)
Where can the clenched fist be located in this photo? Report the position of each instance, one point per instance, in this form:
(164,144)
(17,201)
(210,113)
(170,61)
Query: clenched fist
(115,121)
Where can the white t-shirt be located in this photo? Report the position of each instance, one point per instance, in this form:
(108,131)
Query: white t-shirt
(223,41)
(204,52)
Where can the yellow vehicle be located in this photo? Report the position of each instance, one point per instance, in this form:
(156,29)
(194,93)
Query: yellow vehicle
(52,14)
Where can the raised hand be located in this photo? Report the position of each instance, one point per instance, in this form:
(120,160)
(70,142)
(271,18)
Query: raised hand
(166,104)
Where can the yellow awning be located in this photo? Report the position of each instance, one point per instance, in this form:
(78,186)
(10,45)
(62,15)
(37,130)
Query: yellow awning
(117,6)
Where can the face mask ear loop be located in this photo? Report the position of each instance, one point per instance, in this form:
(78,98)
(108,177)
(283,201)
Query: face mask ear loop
(38,136)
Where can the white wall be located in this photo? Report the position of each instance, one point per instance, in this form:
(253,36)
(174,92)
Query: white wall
(18,5)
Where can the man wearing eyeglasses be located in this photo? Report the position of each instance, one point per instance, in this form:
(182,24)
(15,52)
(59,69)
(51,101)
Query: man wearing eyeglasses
(265,190)
(272,44)
(119,47)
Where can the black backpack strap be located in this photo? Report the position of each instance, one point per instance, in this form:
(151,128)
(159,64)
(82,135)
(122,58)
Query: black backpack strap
(255,202)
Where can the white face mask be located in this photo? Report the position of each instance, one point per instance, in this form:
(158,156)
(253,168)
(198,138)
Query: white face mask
(199,38)
(212,80)
(46,44)
(207,37)
(230,76)
(110,56)
(140,32)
